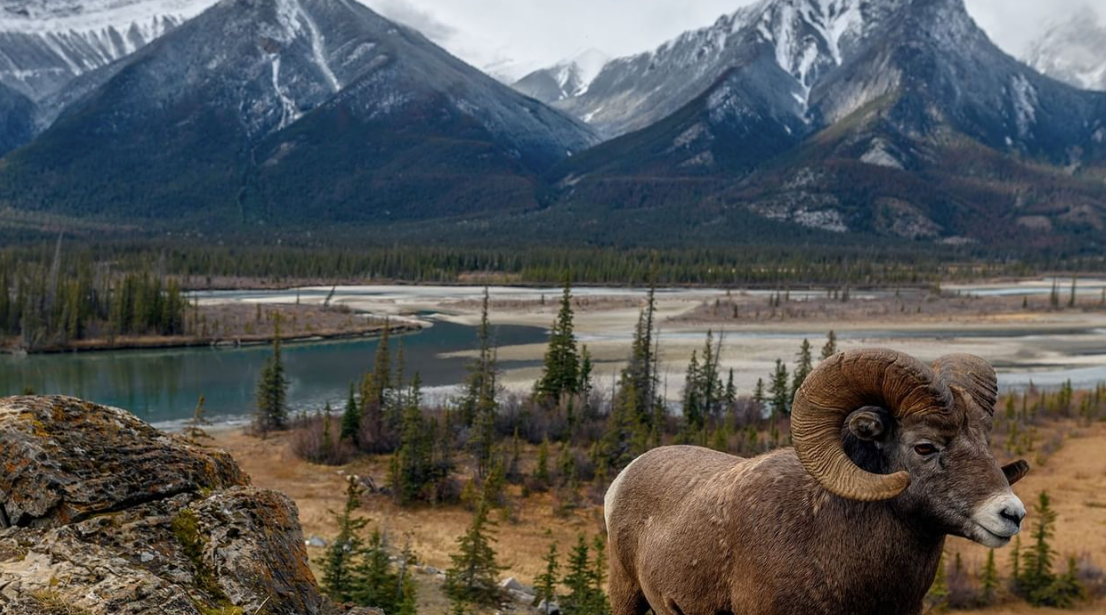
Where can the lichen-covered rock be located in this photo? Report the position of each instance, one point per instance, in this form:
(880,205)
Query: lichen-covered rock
(112,517)
(66,460)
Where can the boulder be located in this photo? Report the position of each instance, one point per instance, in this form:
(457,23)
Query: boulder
(66,460)
(105,515)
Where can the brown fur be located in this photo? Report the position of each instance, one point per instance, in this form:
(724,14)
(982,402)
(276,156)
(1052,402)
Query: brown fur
(697,532)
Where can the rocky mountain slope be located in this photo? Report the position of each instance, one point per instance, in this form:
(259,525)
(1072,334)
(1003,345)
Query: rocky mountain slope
(17,117)
(46,43)
(1073,51)
(100,514)
(895,117)
(276,111)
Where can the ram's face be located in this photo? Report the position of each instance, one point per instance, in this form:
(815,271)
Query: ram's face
(956,485)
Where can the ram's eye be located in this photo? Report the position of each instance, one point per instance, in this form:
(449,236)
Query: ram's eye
(925,450)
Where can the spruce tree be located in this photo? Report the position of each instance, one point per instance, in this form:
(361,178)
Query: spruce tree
(561,369)
(472,578)
(1037,561)
(546,583)
(351,418)
(600,605)
(988,580)
(541,469)
(480,369)
(693,403)
(272,391)
(374,583)
(938,596)
(376,391)
(780,391)
(413,469)
(578,579)
(339,561)
(803,368)
(830,348)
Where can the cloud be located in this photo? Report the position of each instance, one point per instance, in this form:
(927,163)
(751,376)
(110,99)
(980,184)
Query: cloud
(408,14)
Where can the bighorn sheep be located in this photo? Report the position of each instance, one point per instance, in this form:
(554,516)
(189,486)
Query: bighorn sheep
(890,456)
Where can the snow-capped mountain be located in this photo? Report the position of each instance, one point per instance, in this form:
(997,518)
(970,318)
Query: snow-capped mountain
(803,38)
(361,115)
(46,43)
(567,79)
(1073,51)
(891,116)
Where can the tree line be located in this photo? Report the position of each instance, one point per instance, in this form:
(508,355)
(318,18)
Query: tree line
(71,299)
(764,265)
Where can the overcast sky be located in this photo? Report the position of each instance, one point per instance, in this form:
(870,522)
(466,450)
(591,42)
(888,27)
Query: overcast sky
(526,34)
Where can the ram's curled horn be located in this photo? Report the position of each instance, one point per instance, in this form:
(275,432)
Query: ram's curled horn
(848,381)
(973,374)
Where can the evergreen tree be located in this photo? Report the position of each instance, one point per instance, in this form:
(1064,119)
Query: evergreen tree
(471,579)
(693,404)
(1037,561)
(561,370)
(351,418)
(546,583)
(272,391)
(758,394)
(578,580)
(600,605)
(830,347)
(584,581)
(374,583)
(938,596)
(640,374)
(585,383)
(483,439)
(541,469)
(479,370)
(376,391)
(989,580)
(339,561)
(780,391)
(413,470)
(803,368)
(730,396)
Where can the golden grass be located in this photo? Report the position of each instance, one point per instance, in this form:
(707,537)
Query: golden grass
(1075,477)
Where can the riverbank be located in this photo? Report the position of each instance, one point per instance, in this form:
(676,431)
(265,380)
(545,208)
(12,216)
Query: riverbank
(236,325)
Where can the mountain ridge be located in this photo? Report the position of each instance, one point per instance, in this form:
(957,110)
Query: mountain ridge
(140,146)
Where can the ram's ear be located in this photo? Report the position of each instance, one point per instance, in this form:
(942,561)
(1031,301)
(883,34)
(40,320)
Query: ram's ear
(870,425)
(1015,471)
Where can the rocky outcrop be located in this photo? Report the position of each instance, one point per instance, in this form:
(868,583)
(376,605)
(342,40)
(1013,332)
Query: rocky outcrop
(104,515)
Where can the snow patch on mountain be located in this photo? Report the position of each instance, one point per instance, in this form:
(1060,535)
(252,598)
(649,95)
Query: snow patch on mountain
(47,43)
(1025,100)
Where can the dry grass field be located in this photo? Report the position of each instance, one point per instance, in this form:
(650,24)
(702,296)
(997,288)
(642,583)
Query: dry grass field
(1075,476)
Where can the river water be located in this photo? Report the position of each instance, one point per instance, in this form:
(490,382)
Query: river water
(162,386)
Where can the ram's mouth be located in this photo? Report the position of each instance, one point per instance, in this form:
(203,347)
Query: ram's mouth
(989,538)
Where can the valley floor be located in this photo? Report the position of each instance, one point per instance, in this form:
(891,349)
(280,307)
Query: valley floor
(1075,476)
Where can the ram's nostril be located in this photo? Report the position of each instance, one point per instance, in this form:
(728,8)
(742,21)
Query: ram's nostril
(1014,516)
